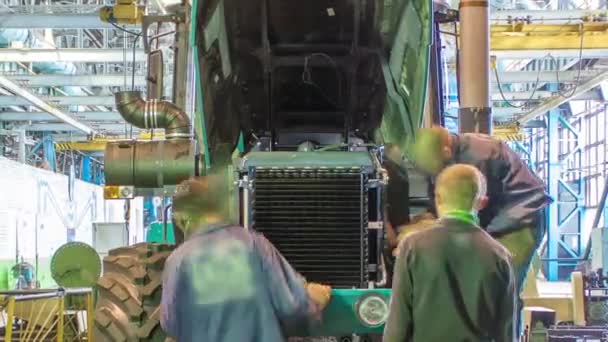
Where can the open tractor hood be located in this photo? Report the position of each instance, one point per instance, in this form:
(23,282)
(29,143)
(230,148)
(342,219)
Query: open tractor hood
(283,73)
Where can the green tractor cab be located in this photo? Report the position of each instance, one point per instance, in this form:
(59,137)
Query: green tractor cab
(310,106)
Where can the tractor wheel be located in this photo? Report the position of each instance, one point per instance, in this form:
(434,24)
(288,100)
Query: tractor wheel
(128,301)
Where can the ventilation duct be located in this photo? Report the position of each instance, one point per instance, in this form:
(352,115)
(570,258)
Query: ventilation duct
(153,114)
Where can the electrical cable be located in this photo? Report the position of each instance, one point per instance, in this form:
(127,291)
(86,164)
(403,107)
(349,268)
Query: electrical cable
(125,30)
(580,67)
(137,36)
(133,63)
(507,101)
(307,76)
(557,71)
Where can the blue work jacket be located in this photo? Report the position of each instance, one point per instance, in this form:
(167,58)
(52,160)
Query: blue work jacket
(227,284)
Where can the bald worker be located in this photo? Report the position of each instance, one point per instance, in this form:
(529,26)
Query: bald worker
(515,213)
(453,282)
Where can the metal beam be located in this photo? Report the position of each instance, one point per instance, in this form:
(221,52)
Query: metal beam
(71,55)
(557,53)
(550,17)
(42,116)
(53,21)
(40,104)
(507,77)
(61,101)
(524,36)
(57,127)
(520,95)
(90,146)
(539,95)
(505,112)
(108,80)
(557,101)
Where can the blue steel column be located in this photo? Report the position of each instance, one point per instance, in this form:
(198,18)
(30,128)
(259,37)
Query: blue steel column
(559,240)
(553,169)
(85,173)
(49,150)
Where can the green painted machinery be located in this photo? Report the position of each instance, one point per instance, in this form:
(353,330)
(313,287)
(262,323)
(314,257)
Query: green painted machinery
(309,107)
(75,264)
(158,233)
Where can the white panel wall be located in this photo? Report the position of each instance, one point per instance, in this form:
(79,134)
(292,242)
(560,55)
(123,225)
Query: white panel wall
(30,196)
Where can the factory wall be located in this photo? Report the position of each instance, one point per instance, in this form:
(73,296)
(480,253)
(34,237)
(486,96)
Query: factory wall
(32,197)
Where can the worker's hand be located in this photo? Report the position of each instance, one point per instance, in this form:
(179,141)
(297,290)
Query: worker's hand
(426,216)
(320,294)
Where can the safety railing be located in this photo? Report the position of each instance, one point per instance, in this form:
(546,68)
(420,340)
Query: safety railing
(60,315)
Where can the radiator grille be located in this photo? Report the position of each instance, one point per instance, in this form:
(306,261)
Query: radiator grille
(316,219)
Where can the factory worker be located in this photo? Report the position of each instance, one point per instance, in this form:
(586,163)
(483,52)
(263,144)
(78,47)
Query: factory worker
(515,213)
(453,281)
(225,283)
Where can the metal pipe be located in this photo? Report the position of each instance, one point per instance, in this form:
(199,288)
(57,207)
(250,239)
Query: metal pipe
(474,67)
(153,114)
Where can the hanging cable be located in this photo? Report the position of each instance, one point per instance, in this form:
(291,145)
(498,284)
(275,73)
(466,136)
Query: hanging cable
(135,39)
(557,71)
(526,102)
(580,66)
(307,77)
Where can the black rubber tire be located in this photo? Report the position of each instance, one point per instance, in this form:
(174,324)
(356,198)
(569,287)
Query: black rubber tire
(129,292)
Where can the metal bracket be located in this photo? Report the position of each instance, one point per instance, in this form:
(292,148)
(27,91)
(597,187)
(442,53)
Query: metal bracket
(373,183)
(243,184)
(446,16)
(375,225)
(149,20)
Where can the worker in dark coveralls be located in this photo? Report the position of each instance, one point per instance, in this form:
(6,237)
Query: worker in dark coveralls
(227,284)
(453,282)
(515,213)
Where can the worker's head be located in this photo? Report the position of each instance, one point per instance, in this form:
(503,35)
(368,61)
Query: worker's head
(201,201)
(432,149)
(460,187)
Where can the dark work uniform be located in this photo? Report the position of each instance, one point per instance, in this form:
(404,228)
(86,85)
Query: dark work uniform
(516,196)
(226,284)
(453,283)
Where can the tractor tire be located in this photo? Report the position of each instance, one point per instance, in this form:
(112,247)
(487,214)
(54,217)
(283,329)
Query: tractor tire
(129,292)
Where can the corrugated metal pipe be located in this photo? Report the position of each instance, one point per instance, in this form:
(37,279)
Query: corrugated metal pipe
(153,114)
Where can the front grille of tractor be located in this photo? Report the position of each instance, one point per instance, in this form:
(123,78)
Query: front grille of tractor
(317,219)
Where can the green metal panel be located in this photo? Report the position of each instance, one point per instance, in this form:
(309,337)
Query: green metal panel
(156,233)
(340,317)
(406,28)
(307,159)
(408,31)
